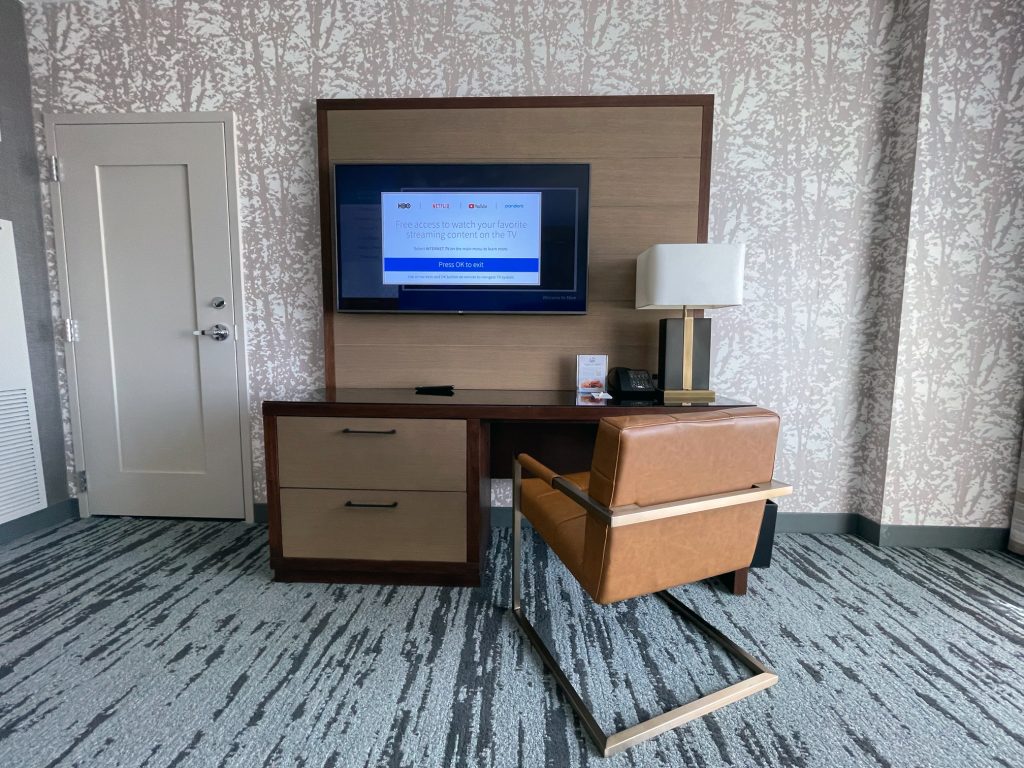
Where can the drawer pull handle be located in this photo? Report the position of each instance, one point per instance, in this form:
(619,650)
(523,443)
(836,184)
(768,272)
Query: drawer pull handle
(347,431)
(389,505)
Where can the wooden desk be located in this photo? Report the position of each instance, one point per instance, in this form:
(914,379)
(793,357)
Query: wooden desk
(387,486)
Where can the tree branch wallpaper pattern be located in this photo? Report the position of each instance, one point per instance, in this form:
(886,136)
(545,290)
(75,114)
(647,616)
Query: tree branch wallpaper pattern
(959,395)
(815,167)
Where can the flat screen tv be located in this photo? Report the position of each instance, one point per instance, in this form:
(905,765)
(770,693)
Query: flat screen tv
(461,238)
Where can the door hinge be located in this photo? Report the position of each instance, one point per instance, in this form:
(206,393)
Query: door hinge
(54,169)
(81,481)
(71,330)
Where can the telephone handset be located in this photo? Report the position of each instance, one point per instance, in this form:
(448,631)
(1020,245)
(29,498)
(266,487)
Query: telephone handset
(631,384)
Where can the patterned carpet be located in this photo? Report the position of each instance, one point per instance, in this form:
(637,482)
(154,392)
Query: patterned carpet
(163,643)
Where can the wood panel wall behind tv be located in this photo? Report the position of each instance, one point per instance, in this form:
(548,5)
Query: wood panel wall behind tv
(650,159)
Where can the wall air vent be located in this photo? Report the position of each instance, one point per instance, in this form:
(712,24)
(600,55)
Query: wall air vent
(21,481)
(21,472)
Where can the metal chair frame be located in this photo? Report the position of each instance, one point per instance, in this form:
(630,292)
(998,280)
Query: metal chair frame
(610,744)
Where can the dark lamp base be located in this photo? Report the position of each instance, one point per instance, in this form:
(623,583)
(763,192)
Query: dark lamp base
(670,354)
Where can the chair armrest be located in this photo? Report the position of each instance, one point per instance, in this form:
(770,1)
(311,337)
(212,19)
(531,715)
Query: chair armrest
(535,468)
(631,515)
(581,497)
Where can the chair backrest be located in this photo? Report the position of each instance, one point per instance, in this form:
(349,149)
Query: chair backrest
(644,460)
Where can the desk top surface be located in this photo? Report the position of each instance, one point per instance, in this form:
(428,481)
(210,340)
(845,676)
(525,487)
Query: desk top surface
(476,403)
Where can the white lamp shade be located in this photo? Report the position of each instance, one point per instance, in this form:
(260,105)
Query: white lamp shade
(696,275)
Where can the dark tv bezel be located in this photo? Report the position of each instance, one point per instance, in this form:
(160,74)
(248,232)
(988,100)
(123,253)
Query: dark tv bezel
(581,261)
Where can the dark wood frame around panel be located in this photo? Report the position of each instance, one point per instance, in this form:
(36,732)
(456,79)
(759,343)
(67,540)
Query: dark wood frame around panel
(325,106)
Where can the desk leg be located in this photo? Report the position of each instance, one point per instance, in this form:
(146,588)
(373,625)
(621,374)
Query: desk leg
(736,581)
(478,492)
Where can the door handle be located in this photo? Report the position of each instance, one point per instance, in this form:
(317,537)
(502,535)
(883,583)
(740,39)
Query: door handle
(218,332)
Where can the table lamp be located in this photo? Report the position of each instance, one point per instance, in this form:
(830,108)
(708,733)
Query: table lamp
(691,277)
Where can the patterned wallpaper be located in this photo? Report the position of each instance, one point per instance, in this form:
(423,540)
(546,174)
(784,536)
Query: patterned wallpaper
(814,163)
(957,412)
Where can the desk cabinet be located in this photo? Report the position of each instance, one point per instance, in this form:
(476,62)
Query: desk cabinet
(371,499)
(384,486)
(372,489)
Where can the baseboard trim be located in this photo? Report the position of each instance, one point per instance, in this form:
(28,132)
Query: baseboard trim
(501,517)
(868,529)
(916,536)
(794,522)
(943,537)
(920,536)
(807,522)
(61,513)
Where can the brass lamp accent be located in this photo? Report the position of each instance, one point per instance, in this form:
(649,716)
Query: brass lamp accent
(691,277)
(675,397)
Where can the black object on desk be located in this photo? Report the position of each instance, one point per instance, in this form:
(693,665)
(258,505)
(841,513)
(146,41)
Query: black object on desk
(444,390)
(632,385)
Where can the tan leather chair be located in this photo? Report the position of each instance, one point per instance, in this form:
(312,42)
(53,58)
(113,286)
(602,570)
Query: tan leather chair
(669,500)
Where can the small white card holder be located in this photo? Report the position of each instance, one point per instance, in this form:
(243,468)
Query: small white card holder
(591,372)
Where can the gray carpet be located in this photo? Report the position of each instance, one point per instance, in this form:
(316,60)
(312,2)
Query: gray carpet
(164,643)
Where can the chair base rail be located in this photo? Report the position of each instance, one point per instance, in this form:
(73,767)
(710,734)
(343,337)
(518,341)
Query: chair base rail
(610,744)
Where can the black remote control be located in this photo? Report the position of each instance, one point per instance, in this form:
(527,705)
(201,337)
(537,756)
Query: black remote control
(446,390)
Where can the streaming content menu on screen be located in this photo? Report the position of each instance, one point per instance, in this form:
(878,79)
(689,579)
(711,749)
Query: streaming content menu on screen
(461,238)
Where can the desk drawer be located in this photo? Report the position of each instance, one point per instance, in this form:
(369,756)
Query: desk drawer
(404,454)
(428,526)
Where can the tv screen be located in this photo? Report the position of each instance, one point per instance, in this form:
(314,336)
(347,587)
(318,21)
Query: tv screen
(461,238)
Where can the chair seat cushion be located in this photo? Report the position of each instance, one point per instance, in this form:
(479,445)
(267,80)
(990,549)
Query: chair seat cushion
(559,520)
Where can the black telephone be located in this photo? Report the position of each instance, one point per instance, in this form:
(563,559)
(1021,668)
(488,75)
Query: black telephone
(631,384)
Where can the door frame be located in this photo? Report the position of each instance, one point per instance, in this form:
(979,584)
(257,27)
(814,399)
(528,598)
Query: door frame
(227,121)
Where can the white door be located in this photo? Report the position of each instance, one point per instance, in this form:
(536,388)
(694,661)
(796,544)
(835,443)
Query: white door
(146,230)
